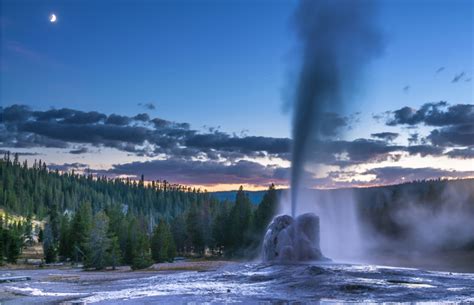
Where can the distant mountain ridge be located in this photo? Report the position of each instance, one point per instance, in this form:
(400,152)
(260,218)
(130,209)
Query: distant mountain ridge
(254,196)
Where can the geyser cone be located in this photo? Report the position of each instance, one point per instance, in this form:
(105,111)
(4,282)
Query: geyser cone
(291,239)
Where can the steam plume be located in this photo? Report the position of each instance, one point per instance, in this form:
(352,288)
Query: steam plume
(337,39)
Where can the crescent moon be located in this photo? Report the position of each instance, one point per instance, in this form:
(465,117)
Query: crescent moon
(52,18)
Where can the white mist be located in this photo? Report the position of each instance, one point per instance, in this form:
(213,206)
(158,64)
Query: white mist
(340,229)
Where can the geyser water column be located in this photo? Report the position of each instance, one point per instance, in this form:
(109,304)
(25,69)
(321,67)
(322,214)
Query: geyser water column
(337,38)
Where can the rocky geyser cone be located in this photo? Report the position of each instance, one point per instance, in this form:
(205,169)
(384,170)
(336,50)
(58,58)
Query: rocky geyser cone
(289,240)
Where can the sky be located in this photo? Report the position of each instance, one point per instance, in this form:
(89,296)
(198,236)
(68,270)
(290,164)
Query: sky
(214,80)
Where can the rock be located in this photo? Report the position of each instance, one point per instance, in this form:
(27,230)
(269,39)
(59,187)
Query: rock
(307,237)
(289,239)
(271,244)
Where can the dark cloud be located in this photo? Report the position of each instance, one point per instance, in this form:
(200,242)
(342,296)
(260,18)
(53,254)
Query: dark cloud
(81,150)
(457,135)
(204,173)
(386,136)
(86,133)
(396,174)
(386,175)
(12,153)
(359,151)
(433,114)
(160,123)
(65,128)
(355,152)
(14,113)
(424,150)
(54,114)
(116,119)
(414,138)
(456,114)
(62,127)
(381,116)
(10,137)
(223,141)
(465,153)
(85,118)
(68,166)
(439,70)
(142,117)
(69,116)
(148,106)
(22,113)
(456,122)
(405,115)
(458,77)
(247,172)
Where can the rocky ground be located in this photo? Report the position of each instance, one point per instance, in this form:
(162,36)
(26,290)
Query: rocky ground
(65,279)
(223,282)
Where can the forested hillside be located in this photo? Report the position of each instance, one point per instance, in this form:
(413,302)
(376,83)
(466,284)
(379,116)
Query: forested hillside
(106,222)
(425,216)
(33,190)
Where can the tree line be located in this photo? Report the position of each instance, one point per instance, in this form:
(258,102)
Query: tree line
(105,222)
(14,236)
(395,212)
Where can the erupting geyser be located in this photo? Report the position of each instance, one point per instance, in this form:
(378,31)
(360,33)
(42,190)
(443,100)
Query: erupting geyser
(289,239)
(337,39)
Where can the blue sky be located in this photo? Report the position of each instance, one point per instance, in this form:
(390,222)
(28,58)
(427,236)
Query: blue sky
(218,64)
(197,61)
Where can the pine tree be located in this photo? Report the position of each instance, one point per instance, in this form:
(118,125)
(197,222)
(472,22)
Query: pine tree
(114,253)
(14,245)
(240,219)
(40,235)
(98,243)
(162,244)
(65,246)
(51,234)
(28,231)
(142,257)
(178,230)
(171,247)
(118,227)
(221,228)
(131,241)
(49,248)
(195,230)
(158,244)
(265,210)
(80,229)
(54,222)
(2,244)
